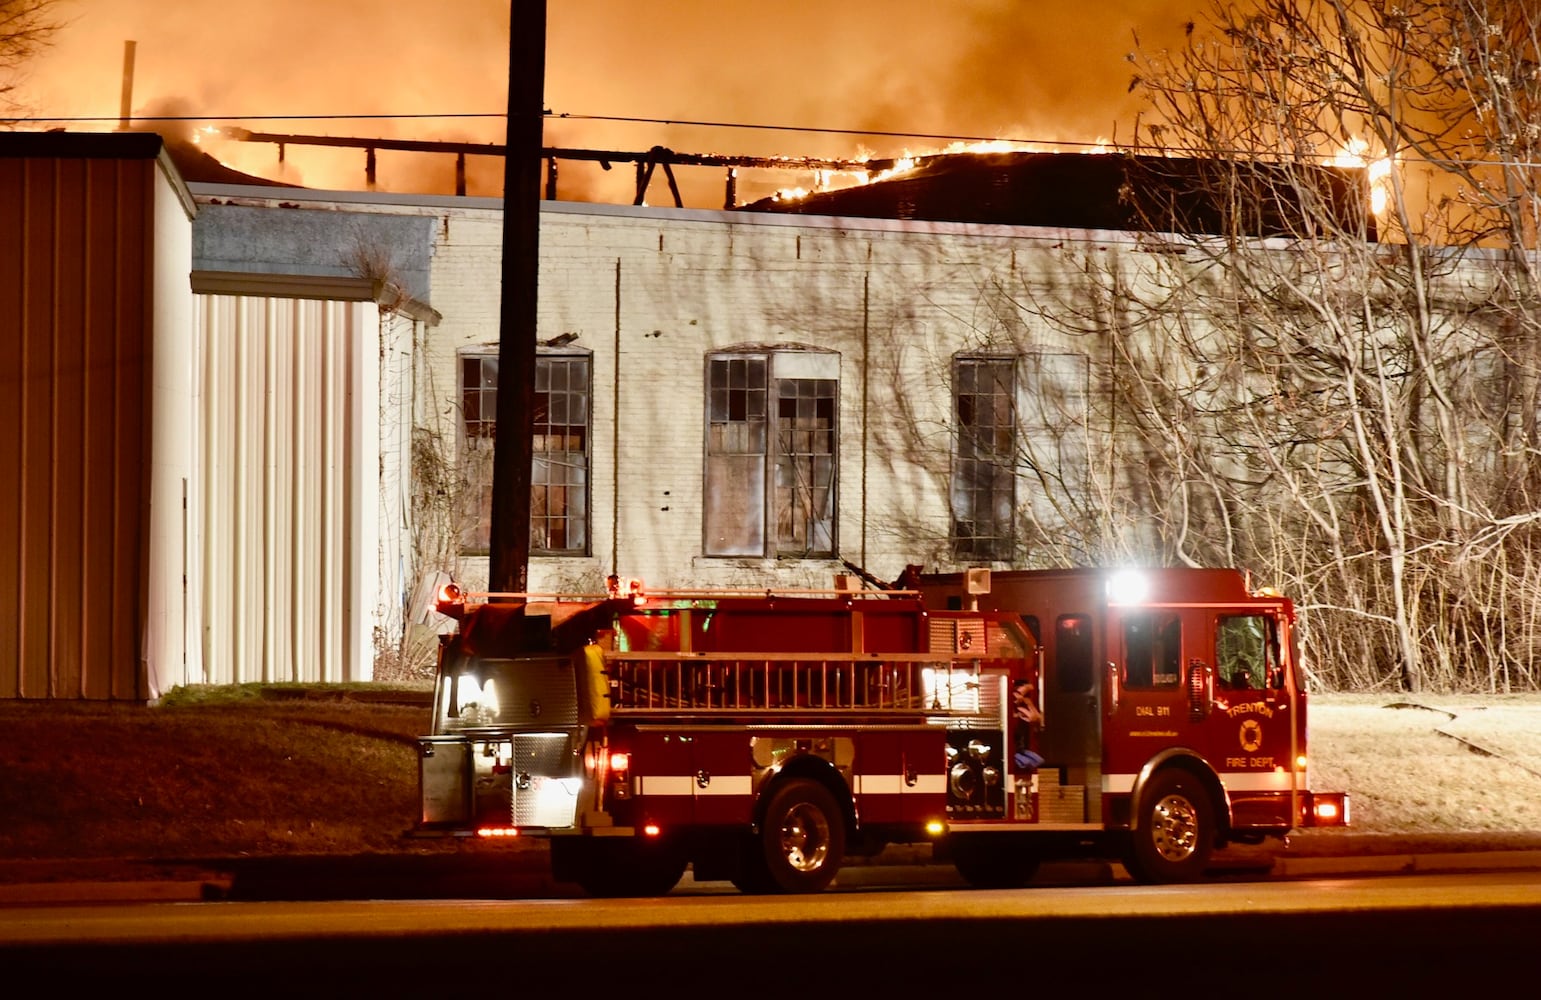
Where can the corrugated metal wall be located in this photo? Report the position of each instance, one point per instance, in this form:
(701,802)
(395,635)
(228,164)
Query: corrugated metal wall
(75,263)
(287,526)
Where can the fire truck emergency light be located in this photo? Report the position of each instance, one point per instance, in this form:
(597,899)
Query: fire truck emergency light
(631,588)
(1128,587)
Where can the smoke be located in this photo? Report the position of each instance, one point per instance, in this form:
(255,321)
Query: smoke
(1021,69)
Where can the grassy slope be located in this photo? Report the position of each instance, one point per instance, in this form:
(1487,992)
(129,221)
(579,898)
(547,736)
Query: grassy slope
(1430,763)
(235,774)
(232,773)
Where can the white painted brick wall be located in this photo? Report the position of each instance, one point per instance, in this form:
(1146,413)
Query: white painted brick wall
(895,300)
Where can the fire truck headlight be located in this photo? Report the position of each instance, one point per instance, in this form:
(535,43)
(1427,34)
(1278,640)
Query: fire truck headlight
(1128,587)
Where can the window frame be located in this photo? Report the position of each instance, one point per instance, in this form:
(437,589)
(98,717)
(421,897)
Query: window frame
(479,423)
(747,433)
(1160,645)
(974,460)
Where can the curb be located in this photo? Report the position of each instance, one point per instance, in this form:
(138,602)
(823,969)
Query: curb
(64,893)
(1382,864)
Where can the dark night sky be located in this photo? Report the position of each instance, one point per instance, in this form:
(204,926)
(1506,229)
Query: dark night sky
(1019,69)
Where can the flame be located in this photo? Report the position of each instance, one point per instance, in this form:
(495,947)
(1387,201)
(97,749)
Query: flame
(1355,154)
(834,180)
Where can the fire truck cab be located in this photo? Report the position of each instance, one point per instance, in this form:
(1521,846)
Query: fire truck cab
(763,738)
(1174,710)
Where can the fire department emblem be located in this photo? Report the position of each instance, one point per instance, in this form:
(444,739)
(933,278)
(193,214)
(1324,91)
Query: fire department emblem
(1251,735)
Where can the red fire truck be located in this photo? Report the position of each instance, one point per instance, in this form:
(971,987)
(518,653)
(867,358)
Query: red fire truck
(763,738)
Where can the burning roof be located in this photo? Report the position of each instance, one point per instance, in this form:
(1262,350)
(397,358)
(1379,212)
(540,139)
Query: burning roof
(197,167)
(1113,191)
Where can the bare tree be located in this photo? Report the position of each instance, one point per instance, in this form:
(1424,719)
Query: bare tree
(26,28)
(1351,398)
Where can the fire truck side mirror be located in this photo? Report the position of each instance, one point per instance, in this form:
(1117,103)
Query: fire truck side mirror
(1201,690)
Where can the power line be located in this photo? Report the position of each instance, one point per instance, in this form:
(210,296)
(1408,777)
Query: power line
(561,116)
(821,131)
(258,118)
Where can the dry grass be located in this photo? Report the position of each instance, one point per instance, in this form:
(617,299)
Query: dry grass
(1432,764)
(232,772)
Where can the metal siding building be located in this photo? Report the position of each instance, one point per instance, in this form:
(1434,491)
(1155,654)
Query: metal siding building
(94,235)
(203,458)
(288,432)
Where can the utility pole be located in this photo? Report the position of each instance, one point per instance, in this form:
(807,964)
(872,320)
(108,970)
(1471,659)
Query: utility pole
(509,549)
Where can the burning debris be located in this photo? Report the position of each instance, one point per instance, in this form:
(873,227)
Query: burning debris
(1112,191)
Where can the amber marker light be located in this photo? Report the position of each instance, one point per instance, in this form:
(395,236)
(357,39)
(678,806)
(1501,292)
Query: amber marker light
(1330,810)
(652,830)
(451,602)
(936,827)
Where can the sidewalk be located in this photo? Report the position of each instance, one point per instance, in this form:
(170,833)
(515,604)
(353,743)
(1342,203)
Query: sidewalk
(521,871)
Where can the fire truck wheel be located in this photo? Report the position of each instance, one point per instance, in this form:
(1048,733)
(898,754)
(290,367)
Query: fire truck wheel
(614,868)
(803,837)
(994,866)
(1174,830)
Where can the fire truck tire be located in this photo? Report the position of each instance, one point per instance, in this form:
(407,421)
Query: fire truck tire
(994,865)
(753,875)
(619,868)
(802,838)
(1174,830)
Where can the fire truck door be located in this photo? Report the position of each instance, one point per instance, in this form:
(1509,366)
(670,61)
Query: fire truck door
(899,775)
(1071,736)
(699,775)
(1146,694)
(663,767)
(1250,721)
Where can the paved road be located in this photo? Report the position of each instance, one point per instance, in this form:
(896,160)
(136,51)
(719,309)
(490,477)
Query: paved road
(495,872)
(1414,933)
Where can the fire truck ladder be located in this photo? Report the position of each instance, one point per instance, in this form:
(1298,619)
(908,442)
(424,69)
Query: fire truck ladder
(850,684)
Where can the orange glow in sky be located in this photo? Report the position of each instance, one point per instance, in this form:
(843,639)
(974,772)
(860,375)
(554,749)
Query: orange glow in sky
(1045,73)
